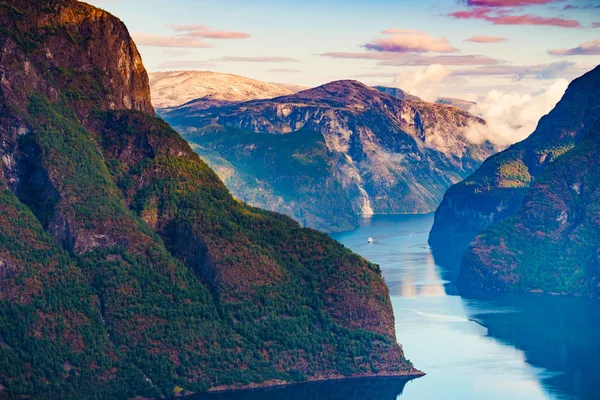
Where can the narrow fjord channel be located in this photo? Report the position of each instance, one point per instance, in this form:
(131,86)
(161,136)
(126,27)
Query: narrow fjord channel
(517,347)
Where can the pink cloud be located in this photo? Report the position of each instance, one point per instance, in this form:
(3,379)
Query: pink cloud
(508,3)
(403,59)
(535,20)
(203,31)
(485,39)
(218,34)
(591,48)
(259,59)
(399,31)
(488,14)
(555,70)
(409,41)
(596,25)
(143,39)
(581,7)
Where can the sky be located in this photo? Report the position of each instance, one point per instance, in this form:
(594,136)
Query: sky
(520,52)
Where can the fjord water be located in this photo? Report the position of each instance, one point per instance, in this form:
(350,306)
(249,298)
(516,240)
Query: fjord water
(502,347)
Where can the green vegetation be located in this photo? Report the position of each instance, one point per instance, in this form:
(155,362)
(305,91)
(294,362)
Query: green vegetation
(514,174)
(551,244)
(293,173)
(127,269)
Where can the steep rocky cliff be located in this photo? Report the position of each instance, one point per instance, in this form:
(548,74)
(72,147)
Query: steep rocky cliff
(497,189)
(126,268)
(372,152)
(552,244)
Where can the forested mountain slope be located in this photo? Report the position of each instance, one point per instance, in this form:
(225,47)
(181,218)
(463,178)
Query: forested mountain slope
(126,267)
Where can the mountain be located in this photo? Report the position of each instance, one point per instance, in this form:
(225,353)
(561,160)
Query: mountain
(208,89)
(462,104)
(397,93)
(496,190)
(126,268)
(326,154)
(552,244)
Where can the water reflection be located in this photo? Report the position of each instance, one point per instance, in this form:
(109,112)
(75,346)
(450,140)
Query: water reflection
(354,389)
(560,334)
(517,347)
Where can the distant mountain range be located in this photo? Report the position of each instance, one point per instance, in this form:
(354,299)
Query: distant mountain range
(397,93)
(209,89)
(529,214)
(327,154)
(462,104)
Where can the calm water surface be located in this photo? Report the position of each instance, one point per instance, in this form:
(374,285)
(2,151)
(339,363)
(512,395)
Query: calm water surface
(505,347)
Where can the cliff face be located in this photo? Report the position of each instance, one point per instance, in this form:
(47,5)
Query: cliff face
(552,243)
(386,154)
(126,268)
(497,189)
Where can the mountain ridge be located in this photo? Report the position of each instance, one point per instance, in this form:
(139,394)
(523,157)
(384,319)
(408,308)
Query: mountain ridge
(388,155)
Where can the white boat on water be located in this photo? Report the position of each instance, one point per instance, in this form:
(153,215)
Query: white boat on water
(370,240)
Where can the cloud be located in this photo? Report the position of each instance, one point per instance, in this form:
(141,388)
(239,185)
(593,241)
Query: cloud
(581,7)
(584,49)
(508,3)
(187,28)
(143,39)
(443,60)
(202,31)
(400,31)
(540,71)
(511,117)
(258,59)
(410,41)
(485,39)
(403,59)
(496,18)
(422,82)
(596,25)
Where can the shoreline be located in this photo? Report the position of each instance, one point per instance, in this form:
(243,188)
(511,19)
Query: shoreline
(273,384)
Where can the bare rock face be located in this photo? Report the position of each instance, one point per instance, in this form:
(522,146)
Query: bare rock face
(390,155)
(204,89)
(66,51)
(79,46)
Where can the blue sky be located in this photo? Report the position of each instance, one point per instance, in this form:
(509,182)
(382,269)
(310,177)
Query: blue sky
(312,42)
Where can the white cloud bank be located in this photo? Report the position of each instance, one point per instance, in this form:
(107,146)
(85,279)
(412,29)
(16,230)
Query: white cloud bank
(511,117)
(423,81)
